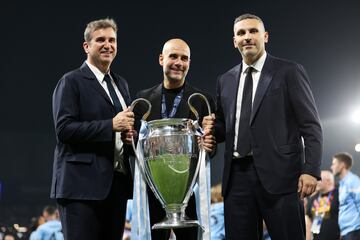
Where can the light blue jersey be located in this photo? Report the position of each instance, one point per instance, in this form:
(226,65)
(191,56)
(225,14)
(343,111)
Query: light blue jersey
(349,200)
(217,225)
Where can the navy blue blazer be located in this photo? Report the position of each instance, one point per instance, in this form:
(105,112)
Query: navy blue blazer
(84,154)
(283,113)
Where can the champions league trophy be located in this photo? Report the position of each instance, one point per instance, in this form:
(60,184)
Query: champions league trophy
(169,155)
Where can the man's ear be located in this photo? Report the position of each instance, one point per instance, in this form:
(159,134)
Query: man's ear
(266,37)
(161,59)
(86,47)
(235,45)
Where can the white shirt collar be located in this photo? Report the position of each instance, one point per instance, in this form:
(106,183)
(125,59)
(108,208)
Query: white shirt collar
(258,65)
(98,74)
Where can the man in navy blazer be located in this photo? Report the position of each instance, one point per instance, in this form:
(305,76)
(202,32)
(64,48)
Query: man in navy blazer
(91,174)
(273,140)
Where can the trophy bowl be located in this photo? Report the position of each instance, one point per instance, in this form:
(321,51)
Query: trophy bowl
(170,161)
(168,156)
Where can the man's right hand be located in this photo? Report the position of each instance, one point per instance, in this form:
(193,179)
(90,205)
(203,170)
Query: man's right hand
(208,125)
(124,121)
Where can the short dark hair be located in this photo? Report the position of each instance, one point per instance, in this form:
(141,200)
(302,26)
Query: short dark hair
(345,158)
(98,24)
(248,16)
(51,210)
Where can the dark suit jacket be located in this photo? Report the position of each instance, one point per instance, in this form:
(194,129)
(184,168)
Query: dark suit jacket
(283,112)
(84,154)
(154,95)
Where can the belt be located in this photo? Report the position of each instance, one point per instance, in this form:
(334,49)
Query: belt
(237,155)
(242,163)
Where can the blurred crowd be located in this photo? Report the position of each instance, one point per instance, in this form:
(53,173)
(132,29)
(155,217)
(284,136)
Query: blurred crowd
(46,226)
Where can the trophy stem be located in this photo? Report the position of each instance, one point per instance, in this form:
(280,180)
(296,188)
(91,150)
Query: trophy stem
(175,218)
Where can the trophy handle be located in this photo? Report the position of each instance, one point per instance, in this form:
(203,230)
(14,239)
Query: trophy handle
(136,101)
(137,157)
(201,166)
(144,117)
(196,123)
(192,107)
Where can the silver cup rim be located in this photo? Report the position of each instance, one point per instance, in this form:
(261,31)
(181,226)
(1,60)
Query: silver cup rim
(167,122)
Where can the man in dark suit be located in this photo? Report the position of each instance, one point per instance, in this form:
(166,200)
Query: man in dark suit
(169,100)
(267,115)
(91,175)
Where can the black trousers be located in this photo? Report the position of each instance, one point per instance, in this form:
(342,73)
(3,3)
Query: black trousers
(247,204)
(354,235)
(96,219)
(157,214)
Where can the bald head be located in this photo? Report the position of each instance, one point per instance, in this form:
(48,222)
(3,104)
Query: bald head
(327,182)
(176,43)
(175,60)
(328,176)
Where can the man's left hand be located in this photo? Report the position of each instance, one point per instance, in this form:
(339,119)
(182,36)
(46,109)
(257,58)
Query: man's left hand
(209,143)
(306,185)
(127,136)
(208,124)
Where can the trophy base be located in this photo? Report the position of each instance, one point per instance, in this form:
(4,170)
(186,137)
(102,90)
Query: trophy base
(176,220)
(169,223)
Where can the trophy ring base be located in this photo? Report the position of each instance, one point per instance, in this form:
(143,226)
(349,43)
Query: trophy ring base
(176,220)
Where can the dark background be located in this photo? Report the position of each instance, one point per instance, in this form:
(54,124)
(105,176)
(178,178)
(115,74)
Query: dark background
(42,41)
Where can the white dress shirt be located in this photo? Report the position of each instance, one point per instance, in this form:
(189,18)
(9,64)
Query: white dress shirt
(258,65)
(118,153)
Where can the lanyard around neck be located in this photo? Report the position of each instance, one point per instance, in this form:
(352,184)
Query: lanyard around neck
(164,113)
(327,202)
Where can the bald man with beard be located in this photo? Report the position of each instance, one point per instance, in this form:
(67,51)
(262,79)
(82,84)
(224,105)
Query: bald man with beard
(175,61)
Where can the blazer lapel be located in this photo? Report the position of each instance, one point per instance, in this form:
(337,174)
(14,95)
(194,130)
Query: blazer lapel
(155,99)
(232,93)
(264,82)
(89,75)
(122,89)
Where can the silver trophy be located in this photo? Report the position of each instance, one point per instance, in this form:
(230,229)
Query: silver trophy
(168,155)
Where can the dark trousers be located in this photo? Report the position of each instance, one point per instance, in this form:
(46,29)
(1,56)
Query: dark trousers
(95,219)
(354,235)
(247,203)
(157,214)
